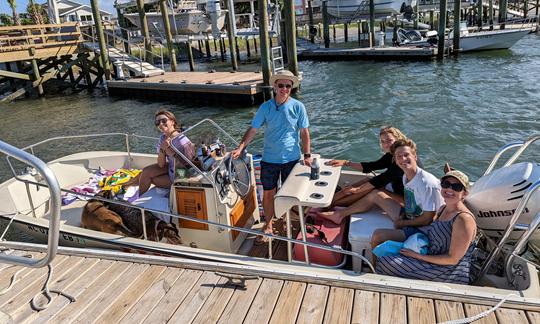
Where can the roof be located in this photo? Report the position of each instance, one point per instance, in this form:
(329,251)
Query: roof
(74,7)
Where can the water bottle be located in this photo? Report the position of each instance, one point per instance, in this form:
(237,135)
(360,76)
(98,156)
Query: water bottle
(314,175)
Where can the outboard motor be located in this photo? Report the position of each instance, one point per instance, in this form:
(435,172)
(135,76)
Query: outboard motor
(495,196)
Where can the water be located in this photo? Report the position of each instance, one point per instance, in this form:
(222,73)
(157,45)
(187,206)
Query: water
(459,111)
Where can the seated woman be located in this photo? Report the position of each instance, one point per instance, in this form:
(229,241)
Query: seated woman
(393,174)
(451,237)
(161,174)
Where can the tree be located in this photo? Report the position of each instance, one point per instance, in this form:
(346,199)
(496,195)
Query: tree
(5,19)
(36,12)
(13,6)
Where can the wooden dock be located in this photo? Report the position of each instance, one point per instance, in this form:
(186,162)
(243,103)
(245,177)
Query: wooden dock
(373,53)
(222,87)
(111,291)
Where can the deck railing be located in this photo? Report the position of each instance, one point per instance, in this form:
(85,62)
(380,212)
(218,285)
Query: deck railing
(17,38)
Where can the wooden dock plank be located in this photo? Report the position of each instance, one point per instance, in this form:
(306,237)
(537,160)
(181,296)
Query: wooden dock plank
(511,316)
(28,278)
(240,302)
(533,317)
(152,297)
(195,300)
(263,305)
(472,310)
(75,289)
(101,304)
(130,296)
(168,304)
(289,302)
(339,305)
(420,310)
(366,307)
(8,270)
(393,309)
(313,304)
(216,303)
(448,311)
(60,283)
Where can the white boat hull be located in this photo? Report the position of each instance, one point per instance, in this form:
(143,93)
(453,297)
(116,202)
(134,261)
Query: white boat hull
(187,23)
(348,8)
(491,40)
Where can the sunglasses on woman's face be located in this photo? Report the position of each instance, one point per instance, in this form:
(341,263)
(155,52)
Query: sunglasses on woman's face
(458,187)
(282,85)
(161,121)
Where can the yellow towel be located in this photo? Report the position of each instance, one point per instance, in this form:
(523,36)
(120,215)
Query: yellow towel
(115,181)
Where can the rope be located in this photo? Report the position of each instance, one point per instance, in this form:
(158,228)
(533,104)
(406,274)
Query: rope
(47,293)
(481,315)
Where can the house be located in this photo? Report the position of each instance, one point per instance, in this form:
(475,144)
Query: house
(69,10)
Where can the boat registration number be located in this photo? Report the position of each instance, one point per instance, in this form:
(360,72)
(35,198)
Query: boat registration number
(65,237)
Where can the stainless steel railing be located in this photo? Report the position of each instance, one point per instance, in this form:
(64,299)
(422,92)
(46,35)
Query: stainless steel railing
(521,145)
(55,204)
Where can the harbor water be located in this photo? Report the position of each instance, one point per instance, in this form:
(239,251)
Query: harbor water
(458,111)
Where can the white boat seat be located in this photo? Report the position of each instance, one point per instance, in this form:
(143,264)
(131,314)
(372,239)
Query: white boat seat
(361,229)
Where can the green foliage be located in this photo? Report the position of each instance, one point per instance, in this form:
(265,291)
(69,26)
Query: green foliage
(6,19)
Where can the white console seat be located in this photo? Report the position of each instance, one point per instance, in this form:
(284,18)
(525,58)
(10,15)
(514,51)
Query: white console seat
(361,229)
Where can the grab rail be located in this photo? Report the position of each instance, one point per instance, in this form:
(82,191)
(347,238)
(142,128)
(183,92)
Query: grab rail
(511,225)
(521,145)
(54,223)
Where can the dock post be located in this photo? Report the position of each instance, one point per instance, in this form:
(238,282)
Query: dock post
(231,28)
(346,31)
(247,47)
(537,6)
(101,39)
(417,15)
(490,14)
(503,6)
(237,48)
(290,33)
(207,47)
(310,15)
(265,48)
(37,76)
(457,9)
(442,28)
(371,23)
(359,31)
(334,32)
(326,28)
(222,49)
(480,13)
(168,35)
(525,9)
(190,55)
(431,19)
(145,31)
(122,23)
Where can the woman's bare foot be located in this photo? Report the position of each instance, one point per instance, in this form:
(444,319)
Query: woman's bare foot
(267,229)
(333,216)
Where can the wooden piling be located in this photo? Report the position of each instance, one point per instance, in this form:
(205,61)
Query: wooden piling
(457,9)
(371,23)
(168,34)
(432,19)
(37,76)
(255,44)
(326,28)
(247,47)
(265,48)
(334,32)
(346,31)
(230,33)
(310,15)
(442,28)
(491,14)
(290,33)
(237,48)
(190,56)
(417,14)
(480,13)
(145,31)
(101,39)
(503,7)
(207,47)
(222,49)
(359,31)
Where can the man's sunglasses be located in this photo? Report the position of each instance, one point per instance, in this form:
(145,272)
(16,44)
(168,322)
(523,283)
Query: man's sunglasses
(458,187)
(161,121)
(281,86)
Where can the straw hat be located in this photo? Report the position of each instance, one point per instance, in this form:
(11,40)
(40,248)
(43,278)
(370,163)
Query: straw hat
(459,176)
(284,75)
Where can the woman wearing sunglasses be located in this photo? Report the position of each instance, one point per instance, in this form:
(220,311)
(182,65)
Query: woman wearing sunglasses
(451,240)
(161,174)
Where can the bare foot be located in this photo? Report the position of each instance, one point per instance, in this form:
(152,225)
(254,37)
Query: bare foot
(333,216)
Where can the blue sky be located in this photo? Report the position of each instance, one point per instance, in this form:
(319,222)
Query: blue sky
(106,5)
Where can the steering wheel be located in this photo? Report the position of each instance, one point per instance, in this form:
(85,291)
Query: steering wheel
(239,175)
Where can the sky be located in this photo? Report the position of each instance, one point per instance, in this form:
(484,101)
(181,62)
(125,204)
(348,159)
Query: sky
(106,5)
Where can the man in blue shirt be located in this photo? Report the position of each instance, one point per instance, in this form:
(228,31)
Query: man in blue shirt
(286,123)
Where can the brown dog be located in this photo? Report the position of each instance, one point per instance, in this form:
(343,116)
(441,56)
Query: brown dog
(163,232)
(97,217)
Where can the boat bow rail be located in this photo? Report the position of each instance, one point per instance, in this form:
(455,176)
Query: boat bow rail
(55,204)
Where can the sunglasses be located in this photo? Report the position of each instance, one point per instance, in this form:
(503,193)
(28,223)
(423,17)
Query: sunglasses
(458,187)
(161,121)
(281,86)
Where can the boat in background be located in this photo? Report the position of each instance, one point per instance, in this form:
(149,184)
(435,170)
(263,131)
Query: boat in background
(351,9)
(495,39)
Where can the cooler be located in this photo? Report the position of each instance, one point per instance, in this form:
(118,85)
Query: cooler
(361,229)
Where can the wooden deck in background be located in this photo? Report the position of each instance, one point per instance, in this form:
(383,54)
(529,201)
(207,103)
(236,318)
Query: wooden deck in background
(110,291)
(204,86)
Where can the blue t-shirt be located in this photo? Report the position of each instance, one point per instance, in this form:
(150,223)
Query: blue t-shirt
(282,132)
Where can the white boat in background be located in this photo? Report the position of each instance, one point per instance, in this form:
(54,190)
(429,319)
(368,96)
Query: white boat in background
(482,40)
(354,8)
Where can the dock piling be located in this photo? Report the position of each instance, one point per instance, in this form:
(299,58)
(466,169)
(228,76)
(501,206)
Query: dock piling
(265,48)
(231,33)
(168,34)
(144,29)
(101,39)
(326,28)
(457,9)
(290,33)
(190,55)
(442,28)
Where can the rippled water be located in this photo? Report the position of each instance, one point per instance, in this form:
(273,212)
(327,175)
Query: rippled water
(460,110)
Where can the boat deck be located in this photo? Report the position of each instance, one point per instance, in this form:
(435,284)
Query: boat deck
(111,291)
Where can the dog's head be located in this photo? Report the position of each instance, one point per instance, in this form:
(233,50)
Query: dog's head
(167,233)
(107,194)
